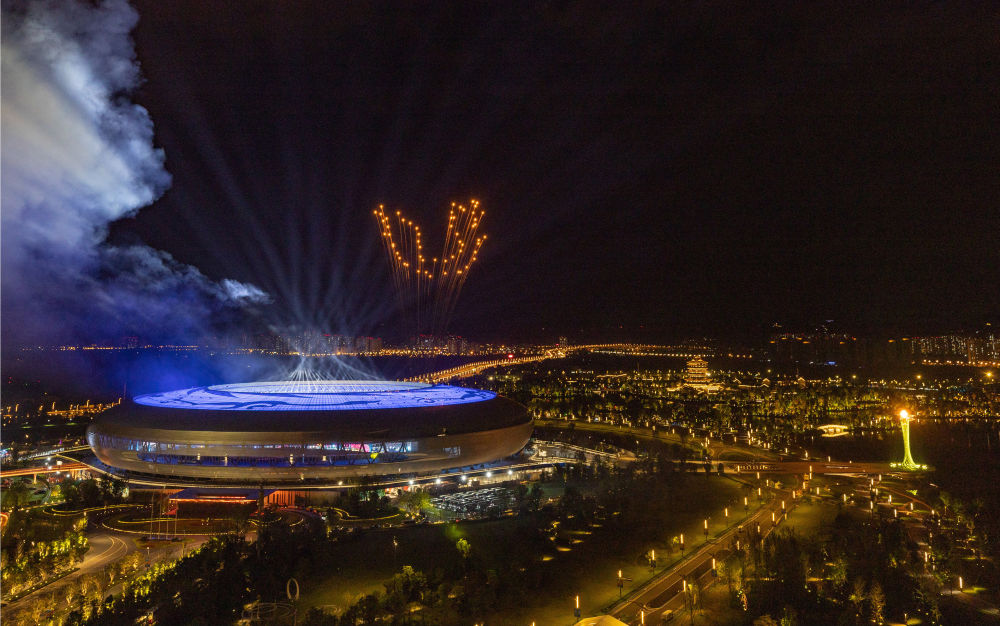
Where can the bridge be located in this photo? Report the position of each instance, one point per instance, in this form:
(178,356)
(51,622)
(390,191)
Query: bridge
(834,430)
(73,468)
(471,369)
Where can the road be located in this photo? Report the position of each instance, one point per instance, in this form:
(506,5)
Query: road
(806,467)
(70,467)
(471,369)
(666,591)
(716,448)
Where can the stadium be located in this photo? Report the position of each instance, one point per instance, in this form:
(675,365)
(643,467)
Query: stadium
(317,432)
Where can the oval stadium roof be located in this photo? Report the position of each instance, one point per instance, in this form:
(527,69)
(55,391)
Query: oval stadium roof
(327,395)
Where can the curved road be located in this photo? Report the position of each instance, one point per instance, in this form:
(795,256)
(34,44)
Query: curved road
(666,592)
(715,448)
(104,548)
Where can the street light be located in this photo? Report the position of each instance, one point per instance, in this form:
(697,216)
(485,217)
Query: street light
(576,609)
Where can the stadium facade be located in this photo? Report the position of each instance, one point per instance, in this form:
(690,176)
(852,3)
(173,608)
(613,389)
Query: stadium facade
(317,432)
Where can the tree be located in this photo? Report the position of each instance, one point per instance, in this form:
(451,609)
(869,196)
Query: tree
(71,494)
(876,602)
(90,492)
(241,519)
(16,495)
(464,548)
(535,497)
(789,617)
(403,588)
(368,608)
(37,609)
(413,501)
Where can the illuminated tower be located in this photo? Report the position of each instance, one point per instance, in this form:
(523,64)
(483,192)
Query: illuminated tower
(908,462)
(697,372)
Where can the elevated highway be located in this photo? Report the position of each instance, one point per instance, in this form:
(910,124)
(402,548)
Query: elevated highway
(471,369)
(73,468)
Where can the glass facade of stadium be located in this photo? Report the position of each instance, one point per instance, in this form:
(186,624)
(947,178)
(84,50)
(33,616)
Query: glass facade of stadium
(266,454)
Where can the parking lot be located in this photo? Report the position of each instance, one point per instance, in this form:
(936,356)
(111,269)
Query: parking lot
(479,503)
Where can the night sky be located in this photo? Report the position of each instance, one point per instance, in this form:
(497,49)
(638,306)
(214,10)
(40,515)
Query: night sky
(657,172)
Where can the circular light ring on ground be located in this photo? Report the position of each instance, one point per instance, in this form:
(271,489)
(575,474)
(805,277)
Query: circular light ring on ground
(314,396)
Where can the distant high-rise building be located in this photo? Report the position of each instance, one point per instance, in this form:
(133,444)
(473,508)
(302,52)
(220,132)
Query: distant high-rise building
(945,347)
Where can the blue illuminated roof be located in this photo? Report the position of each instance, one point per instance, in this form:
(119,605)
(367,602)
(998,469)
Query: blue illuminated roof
(325,395)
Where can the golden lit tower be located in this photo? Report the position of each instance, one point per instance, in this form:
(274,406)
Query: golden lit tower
(697,372)
(908,463)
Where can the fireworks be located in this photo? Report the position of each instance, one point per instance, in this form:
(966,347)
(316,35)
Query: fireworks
(433,286)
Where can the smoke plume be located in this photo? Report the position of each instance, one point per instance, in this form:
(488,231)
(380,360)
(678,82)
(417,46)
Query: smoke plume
(78,154)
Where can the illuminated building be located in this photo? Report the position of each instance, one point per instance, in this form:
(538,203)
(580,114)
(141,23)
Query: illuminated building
(319,432)
(697,372)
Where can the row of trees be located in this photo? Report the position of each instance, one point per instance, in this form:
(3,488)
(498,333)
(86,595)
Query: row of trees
(866,572)
(214,583)
(37,547)
(79,598)
(75,493)
(91,492)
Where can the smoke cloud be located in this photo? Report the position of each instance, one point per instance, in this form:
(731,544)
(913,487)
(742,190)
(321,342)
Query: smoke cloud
(78,154)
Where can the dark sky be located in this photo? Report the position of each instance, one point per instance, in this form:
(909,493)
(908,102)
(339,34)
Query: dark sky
(650,172)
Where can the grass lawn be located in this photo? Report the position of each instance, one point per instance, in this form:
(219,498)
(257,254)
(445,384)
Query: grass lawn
(584,562)
(812,519)
(365,562)
(590,569)
(715,610)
